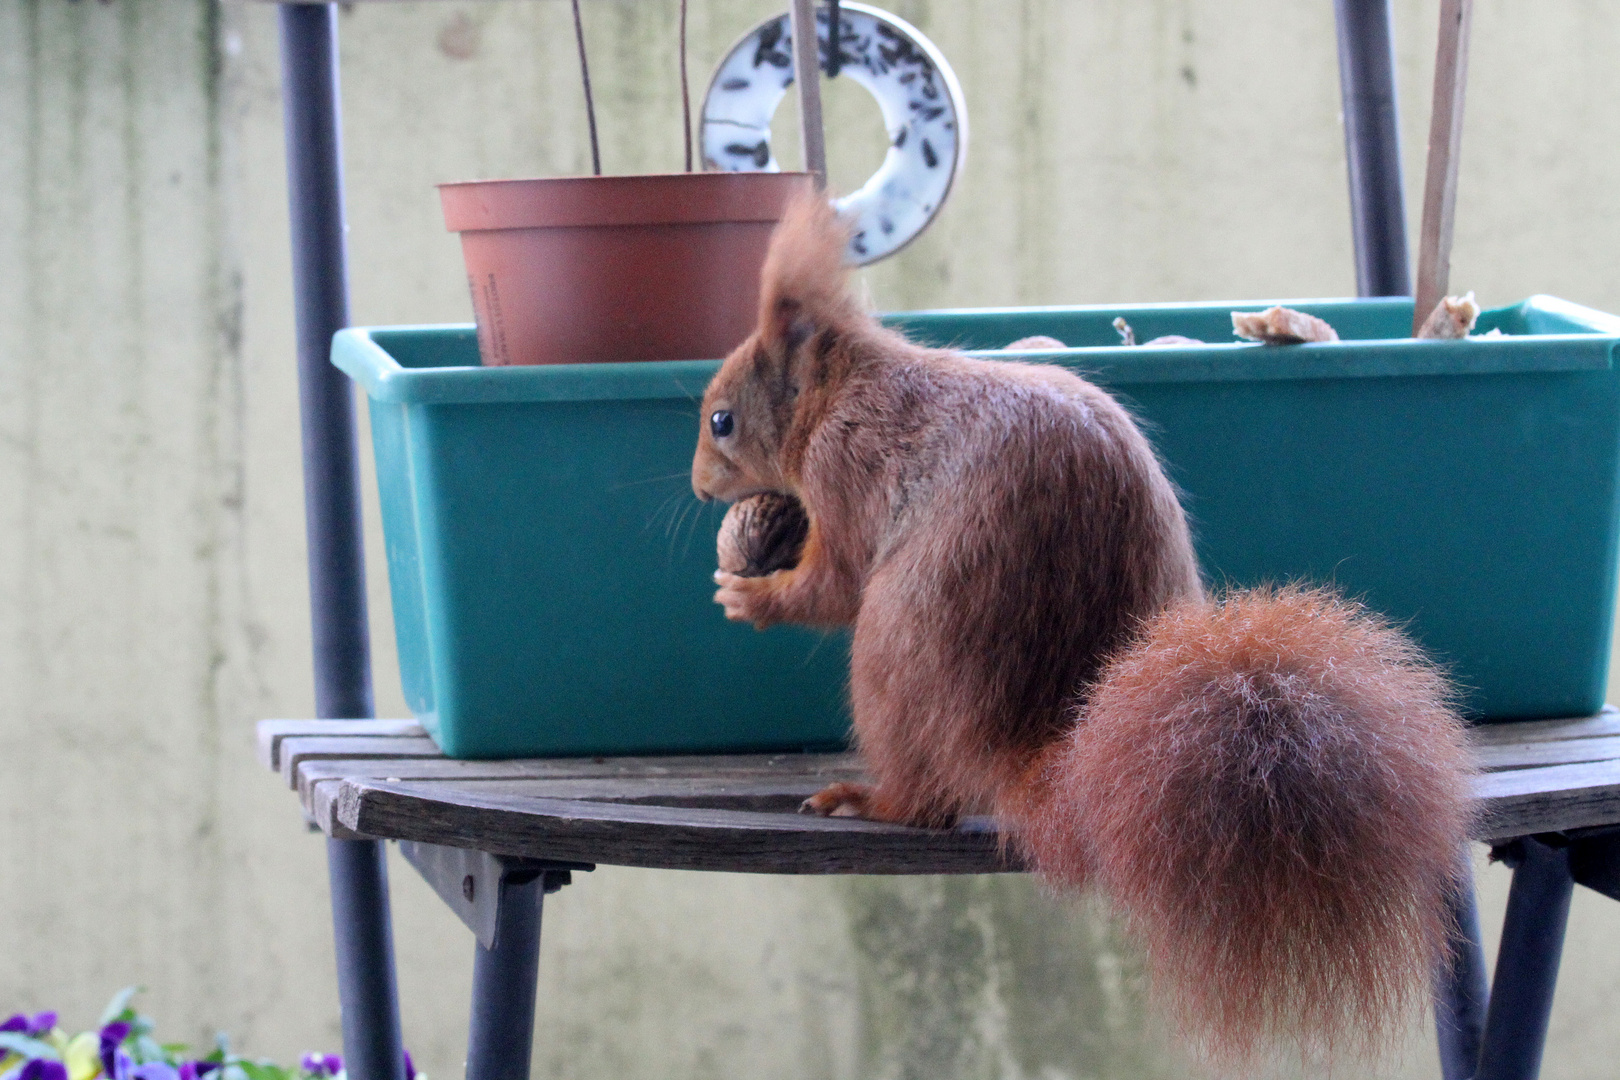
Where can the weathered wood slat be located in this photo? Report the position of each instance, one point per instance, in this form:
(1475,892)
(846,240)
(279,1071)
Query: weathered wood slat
(781,794)
(1524,755)
(659,836)
(825,767)
(272,732)
(321,809)
(1606,722)
(1548,799)
(443,768)
(314,771)
(294,750)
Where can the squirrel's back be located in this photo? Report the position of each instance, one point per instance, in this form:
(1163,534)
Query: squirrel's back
(1028,532)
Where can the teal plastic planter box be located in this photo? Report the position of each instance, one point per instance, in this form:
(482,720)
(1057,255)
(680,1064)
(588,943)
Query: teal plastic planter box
(551,570)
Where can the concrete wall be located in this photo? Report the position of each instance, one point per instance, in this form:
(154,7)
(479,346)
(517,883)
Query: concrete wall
(151,563)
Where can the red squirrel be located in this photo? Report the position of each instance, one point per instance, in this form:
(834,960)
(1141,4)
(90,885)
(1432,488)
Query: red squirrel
(1270,786)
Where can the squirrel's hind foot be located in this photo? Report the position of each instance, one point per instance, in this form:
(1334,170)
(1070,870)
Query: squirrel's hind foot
(843,799)
(839,800)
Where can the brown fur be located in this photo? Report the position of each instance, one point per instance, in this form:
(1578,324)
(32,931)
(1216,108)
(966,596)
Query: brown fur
(1272,789)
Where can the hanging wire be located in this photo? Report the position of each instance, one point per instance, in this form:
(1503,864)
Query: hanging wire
(835,56)
(590,106)
(686,94)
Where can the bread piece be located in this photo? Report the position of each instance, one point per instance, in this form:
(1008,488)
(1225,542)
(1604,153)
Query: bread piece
(762,534)
(1281,326)
(1452,317)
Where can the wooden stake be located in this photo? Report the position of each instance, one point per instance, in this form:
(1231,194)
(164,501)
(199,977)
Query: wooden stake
(807,77)
(1445,146)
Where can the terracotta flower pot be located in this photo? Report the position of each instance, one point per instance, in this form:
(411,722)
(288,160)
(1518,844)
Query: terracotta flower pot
(597,268)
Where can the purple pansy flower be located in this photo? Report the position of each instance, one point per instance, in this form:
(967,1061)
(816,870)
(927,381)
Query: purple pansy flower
(18,1022)
(322,1065)
(154,1070)
(41,1024)
(196,1070)
(40,1069)
(112,1036)
(410,1069)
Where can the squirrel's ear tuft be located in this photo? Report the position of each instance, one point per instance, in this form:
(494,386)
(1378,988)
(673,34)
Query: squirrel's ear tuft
(805,282)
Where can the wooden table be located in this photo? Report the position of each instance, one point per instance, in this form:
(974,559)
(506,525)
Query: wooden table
(493,837)
(386,779)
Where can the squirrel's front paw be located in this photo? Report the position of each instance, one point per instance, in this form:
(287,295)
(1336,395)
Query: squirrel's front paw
(746,599)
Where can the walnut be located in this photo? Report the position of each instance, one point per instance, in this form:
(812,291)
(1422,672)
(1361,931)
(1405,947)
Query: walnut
(1452,317)
(1281,326)
(1036,343)
(762,534)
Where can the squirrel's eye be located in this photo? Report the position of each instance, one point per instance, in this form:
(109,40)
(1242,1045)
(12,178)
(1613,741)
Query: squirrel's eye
(722,424)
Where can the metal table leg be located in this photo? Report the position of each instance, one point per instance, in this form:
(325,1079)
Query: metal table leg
(373,1047)
(500,1036)
(500,900)
(1461,990)
(1373,148)
(1527,964)
(359,875)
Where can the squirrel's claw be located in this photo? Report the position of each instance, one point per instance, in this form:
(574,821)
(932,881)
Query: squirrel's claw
(838,800)
(746,599)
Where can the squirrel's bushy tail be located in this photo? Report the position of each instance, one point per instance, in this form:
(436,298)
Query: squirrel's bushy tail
(1273,790)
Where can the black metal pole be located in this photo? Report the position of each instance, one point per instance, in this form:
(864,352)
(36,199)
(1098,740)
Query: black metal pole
(500,1036)
(337,578)
(362,931)
(358,869)
(1462,991)
(1373,147)
(1527,962)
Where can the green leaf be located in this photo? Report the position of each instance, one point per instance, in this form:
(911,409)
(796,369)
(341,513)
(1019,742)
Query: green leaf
(256,1070)
(28,1048)
(118,1005)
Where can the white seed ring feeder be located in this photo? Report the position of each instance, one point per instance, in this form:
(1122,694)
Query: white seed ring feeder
(922,104)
